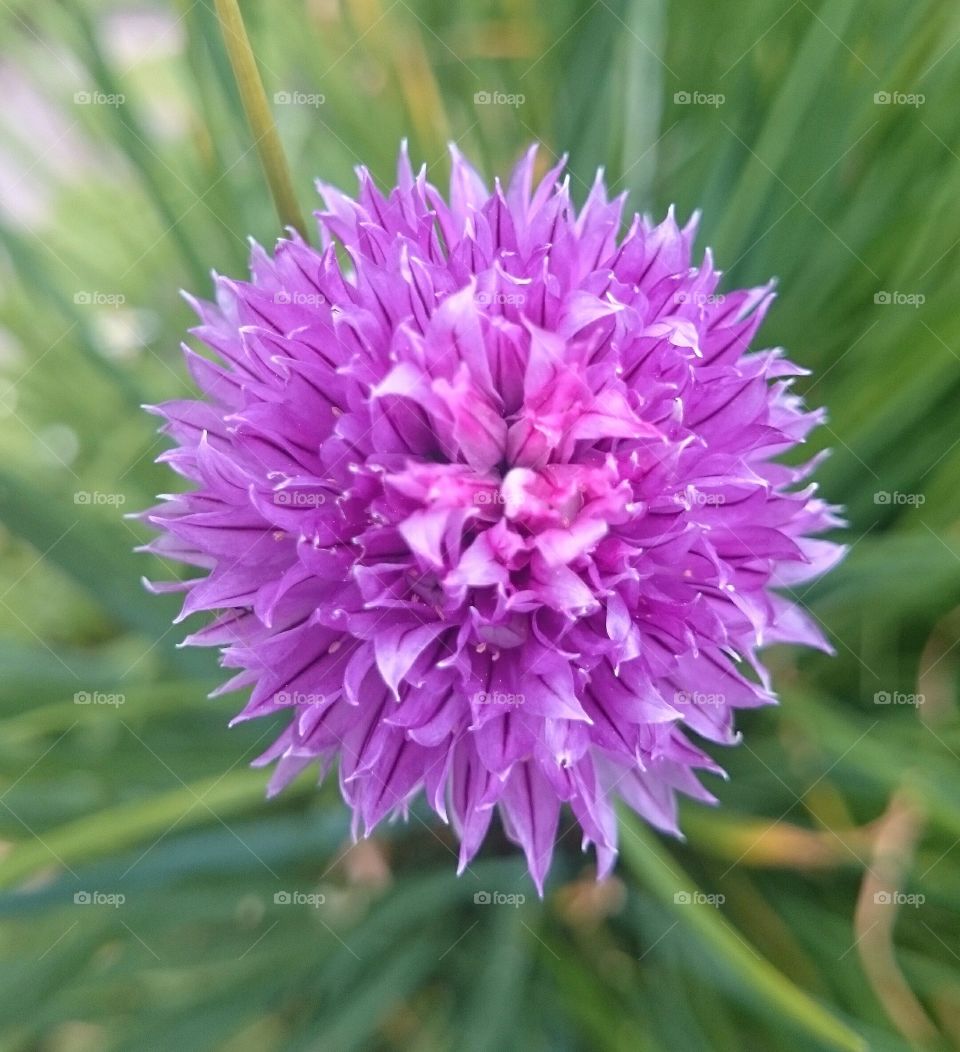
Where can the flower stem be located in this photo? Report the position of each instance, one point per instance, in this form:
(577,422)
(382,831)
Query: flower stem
(661,873)
(259,117)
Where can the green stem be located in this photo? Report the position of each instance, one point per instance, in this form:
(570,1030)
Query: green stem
(114,829)
(259,117)
(660,872)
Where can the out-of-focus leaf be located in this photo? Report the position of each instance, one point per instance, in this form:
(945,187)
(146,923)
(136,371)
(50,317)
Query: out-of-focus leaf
(770,988)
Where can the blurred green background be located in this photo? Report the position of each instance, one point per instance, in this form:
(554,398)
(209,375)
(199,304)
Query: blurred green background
(149,897)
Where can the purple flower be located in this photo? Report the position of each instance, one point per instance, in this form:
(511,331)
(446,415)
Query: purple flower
(484,497)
